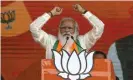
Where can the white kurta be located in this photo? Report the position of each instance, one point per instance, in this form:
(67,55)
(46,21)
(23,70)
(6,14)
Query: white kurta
(47,40)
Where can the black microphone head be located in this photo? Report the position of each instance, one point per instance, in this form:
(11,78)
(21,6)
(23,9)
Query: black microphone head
(67,38)
(72,37)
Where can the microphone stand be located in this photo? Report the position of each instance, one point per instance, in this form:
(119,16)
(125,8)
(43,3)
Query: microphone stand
(76,42)
(65,42)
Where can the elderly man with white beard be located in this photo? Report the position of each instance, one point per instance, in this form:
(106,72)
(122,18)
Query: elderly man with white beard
(68,34)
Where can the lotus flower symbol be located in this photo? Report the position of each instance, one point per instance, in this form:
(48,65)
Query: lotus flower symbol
(74,66)
(8,17)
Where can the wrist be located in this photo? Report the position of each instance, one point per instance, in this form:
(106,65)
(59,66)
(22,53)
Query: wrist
(50,13)
(84,11)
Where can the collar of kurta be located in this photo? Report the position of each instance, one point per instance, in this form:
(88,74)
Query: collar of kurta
(57,46)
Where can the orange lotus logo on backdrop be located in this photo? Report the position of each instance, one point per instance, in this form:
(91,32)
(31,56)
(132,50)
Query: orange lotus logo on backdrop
(7,18)
(74,66)
(15,19)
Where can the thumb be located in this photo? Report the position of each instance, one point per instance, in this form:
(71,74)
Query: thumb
(58,9)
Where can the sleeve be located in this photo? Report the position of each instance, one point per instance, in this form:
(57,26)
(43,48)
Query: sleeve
(92,36)
(38,34)
(112,55)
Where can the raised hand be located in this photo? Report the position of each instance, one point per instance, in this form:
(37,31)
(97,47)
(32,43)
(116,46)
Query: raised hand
(79,8)
(56,11)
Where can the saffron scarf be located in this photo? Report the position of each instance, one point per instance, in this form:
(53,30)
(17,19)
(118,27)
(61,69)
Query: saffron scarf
(57,46)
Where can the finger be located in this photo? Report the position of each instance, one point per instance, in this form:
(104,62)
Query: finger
(61,10)
(75,6)
(58,9)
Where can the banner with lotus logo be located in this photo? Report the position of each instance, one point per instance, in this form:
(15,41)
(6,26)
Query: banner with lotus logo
(15,19)
(75,66)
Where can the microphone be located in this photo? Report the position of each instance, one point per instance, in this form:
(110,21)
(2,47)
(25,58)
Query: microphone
(65,42)
(76,42)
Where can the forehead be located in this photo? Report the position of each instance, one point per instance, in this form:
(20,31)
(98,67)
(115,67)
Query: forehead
(68,23)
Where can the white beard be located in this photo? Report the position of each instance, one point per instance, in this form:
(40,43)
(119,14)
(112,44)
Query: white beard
(70,41)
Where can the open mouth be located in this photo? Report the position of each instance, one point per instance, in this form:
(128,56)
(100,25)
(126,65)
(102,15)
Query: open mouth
(66,35)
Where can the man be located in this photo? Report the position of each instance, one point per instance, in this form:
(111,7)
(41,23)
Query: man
(101,55)
(121,54)
(68,37)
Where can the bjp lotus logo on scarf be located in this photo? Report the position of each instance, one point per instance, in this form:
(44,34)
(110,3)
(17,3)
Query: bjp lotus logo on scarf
(74,66)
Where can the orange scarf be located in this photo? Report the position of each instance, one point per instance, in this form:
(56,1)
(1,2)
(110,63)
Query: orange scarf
(72,48)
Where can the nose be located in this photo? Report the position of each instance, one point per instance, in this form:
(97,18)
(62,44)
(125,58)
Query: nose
(67,30)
